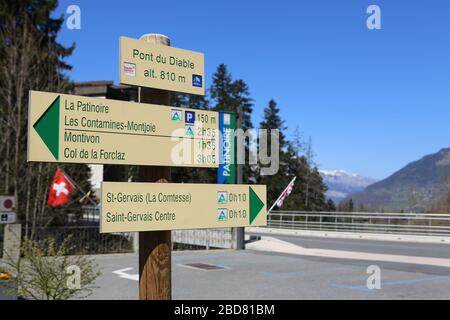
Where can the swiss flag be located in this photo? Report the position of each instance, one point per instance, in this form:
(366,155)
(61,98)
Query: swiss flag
(60,190)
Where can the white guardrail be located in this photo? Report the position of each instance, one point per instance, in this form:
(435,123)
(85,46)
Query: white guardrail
(362,222)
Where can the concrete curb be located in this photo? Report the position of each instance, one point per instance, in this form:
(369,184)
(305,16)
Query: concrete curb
(349,235)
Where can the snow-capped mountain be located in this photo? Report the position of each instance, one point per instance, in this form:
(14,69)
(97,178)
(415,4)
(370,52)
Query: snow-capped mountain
(341,183)
(418,187)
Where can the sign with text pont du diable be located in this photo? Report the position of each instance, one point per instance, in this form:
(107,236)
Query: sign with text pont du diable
(76,129)
(128,207)
(161,67)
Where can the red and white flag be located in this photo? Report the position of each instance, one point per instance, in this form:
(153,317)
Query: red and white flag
(60,190)
(284,194)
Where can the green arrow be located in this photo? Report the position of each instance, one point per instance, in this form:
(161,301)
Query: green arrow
(47,126)
(255,204)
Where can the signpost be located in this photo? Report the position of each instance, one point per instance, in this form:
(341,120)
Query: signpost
(155,247)
(128,207)
(75,129)
(161,67)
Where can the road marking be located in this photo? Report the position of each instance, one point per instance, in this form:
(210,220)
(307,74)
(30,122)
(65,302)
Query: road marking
(289,274)
(122,274)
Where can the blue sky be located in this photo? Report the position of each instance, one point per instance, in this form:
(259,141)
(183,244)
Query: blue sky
(372,100)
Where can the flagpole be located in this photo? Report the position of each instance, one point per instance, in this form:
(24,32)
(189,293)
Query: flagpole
(77,186)
(276,201)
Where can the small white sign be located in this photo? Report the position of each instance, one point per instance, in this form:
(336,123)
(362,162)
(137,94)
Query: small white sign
(7,217)
(7,203)
(129,69)
(226,119)
(222,197)
(222,214)
(176,115)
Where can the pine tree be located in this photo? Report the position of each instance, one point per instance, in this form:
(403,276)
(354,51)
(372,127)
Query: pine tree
(272,120)
(296,166)
(278,182)
(350,205)
(316,191)
(234,96)
(331,206)
(448,203)
(309,155)
(309,184)
(221,90)
(240,95)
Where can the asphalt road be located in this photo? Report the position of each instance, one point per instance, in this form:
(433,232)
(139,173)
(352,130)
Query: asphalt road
(373,246)
(263,275)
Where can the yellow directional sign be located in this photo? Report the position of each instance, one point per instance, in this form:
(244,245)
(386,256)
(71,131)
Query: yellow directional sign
(161,67)
(130,207)
(75,129)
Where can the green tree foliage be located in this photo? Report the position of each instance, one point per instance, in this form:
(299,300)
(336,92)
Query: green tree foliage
(448,203)
(346,206)
(309,184)
(30,59)
(278,182)
(234,96)
(272,120)
(316,194)
(330,205)
(221,89)
(45,271)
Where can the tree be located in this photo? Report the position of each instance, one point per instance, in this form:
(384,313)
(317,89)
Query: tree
(297,142)
(350,205)
(315,191)
(46,271)
(30,59)
(296,166)
(272,120)
(331,206)
(221,90)
(240,94)
(278,182)
(234,96)
(309,155)
(309,191)
(448,203)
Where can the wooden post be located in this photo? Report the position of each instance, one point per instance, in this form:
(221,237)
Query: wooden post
(155,247)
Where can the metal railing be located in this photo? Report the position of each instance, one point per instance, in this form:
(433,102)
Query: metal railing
(363,222)
(87,239)
(208,238)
